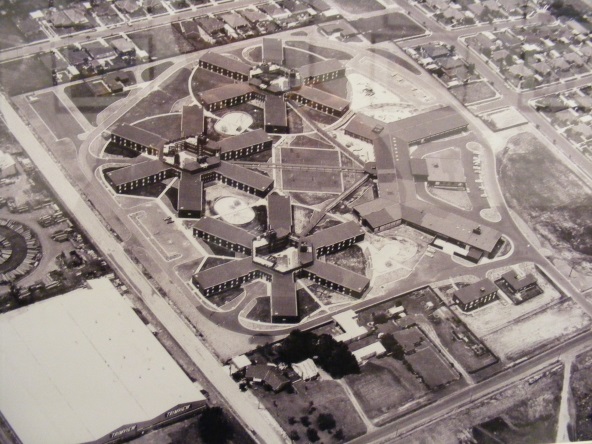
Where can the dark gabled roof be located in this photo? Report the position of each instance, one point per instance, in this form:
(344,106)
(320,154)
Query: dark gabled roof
(253,16)
(322,98)
(136,171)
(224,273)
(284,302)
(270,375)
(279,213)
(190,193)
(225,92)
(319,5)
(139,136)
(365,126)
(245,176)
(244,140)
(340,276)
(210,25)
(226,231)
(320,68)
(226,62)
(276,113)
(334,235)
(234,20)
(428,124)
(516,283)
(97,50)
(192,121)
(475,291)
(273,50)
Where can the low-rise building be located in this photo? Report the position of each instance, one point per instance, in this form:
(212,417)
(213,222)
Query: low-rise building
(475,295)
(336,238)
(320,100)
(226,66)
(225,235)
(276,115)
(138,175)
(244,144)
(518,283)
(323,71)
(137,139)
(228,95)
(337,278)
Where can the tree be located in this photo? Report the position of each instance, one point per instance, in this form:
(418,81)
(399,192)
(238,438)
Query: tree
(294,436)
(312,435)
(298,346)
(392,346)
(305,421)
(335,358)
(214,427)
(339,435)
(326,421)
(509,60)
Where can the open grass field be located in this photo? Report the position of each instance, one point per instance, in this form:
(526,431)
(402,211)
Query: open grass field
(337,87)
(168,126)
(306,303)
(204,80)
(360,6)
(325,397)
(261,311)
(56,116)
(310,157)
(553,202)
(88,104)
(379,389)
(473,92)
(351,258)
(157,102)
(296,58)
(581,381)
(391,26)
(311,180)
(26,75)
(10,36)
(154,71)
(310,142)
(161,42)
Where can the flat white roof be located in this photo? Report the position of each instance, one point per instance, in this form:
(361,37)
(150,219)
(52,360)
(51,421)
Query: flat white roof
(348,321)
(78,366)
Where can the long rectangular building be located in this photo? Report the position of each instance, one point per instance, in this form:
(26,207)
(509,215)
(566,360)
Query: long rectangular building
(249,142)
(475,295)
(244,179)
(276,115)
(273,51)
(279,213)
(321,101)
(364,128)
(337,238)
(226,66)
(337,278)
(223,234)
(223,277)
(192,121)
(137,139)
(190,196)
(227,96)
(429,126)
(323,71)
(140,174)
(284,303)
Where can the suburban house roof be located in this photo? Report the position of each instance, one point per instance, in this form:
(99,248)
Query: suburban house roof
(139,136)
(228,63)
(268,374)
(136,171)
(475,291)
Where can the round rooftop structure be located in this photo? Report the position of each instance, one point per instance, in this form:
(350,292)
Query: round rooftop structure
(20,250)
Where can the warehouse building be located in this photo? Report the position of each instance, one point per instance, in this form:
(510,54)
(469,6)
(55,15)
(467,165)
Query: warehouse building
(74,363)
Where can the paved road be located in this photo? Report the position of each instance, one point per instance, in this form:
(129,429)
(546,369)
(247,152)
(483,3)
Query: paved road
(14,53)
(243,404)
(401,428)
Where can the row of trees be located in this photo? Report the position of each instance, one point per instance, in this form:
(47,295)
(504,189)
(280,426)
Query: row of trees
(332,356)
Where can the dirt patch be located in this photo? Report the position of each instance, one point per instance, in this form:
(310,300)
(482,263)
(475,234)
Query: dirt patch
(261,311)
(473,92)
(352,259)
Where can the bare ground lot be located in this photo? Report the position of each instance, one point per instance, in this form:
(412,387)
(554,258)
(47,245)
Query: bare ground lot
(57,117)
(391,26)
(553,202)
(325,397)
(351,258)
(26,75)
(473,92)
(581,381)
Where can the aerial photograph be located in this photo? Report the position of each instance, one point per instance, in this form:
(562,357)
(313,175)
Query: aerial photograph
(295,221)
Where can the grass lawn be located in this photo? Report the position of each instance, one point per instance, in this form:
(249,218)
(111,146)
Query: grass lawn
(379,389)
(204,80)
(296,58)
(311,199)
(211,262)
(325,182)
(306,303)
(360,6)
(473,92)
(337,87)
(553,202)
(26,75)
(220,299)
(10,36)
(168,126)
(261,311)
(86,102)
(391,26)
(325,397)
(309,142)
(351,258)
(157,102)
(57,117)
(310,157)
(154,71)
